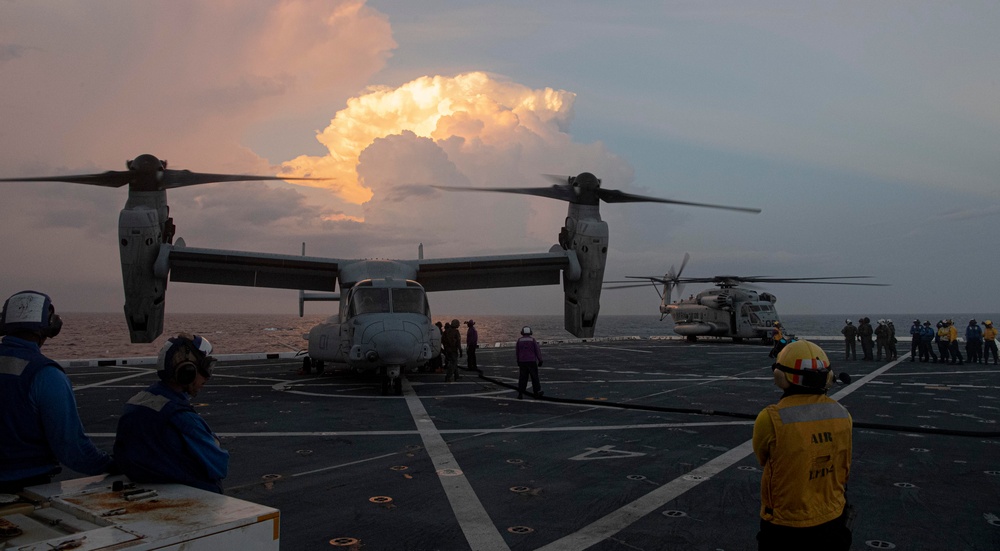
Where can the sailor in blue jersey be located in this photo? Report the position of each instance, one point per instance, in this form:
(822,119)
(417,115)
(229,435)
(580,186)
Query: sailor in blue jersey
(39,423)
(161,438)
(927,334)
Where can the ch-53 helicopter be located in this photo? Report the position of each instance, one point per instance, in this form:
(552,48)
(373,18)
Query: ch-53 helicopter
(383,323)
(727,311)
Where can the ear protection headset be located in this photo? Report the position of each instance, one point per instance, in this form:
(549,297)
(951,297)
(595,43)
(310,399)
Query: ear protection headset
(805,377)
(183,357)
(30,311)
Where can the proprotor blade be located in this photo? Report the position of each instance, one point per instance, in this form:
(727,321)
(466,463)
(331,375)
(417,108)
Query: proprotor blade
(111,178)
(615,196)
(180,178)
(561,192)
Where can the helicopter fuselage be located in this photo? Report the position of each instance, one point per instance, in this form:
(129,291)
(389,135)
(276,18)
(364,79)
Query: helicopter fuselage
(726,312)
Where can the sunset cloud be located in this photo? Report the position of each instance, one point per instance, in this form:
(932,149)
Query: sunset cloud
(476,109)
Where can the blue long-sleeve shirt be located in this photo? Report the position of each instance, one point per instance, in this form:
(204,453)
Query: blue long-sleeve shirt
(161,438)
(40,426)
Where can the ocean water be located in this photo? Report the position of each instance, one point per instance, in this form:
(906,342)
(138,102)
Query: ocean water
(105,335)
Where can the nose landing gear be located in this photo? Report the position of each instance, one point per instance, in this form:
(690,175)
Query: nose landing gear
(391,379)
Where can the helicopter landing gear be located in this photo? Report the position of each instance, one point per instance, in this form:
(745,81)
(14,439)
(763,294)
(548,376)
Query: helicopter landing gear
(737,340)
(308,364)
(390,379)
(692,338)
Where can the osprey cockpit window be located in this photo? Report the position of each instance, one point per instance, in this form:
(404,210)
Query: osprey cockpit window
(370,300)
(409,300)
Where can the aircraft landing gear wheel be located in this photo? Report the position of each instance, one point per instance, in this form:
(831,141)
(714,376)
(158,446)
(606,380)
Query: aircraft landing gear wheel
(384,381)
(319,367)
(306,365)
(692,338)
(737,340)
(397,386)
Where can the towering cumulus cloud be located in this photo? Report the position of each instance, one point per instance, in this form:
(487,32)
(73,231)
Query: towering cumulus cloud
(474,109)
(470,130)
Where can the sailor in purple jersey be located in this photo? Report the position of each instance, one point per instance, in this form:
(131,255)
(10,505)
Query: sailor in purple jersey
(471,344)
(529,358)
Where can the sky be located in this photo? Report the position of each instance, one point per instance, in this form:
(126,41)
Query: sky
(867,132)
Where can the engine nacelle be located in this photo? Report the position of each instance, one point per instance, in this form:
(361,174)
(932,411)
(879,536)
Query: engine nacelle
(719,301)
(588,237)
(139,239)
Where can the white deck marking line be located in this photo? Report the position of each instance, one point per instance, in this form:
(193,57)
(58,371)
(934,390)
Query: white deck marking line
(616,521)
(866,379)
(702,381)
(479,529)
(346,464)
(618,348)
(126,377)
(474,431)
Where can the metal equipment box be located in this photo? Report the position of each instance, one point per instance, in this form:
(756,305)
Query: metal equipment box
(104,512)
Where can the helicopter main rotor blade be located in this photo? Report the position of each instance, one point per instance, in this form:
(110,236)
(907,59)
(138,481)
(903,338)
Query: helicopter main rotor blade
(632,286)
(773,278)
(615,196)
(808,280)
(111,178)
(654,279)
(824,283)
(180,178)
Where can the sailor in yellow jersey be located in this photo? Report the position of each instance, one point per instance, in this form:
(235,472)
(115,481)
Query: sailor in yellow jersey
(804,445)
(777,337)
(990,341)
(943,341)
(956,355)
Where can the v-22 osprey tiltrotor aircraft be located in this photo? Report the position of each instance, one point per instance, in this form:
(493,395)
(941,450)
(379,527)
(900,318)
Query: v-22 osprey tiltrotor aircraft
(727,310)
(384,323)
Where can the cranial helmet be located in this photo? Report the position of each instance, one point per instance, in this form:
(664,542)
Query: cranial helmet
(455,323)
(525,330)
(805,364)
(183,356)
(30,311)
